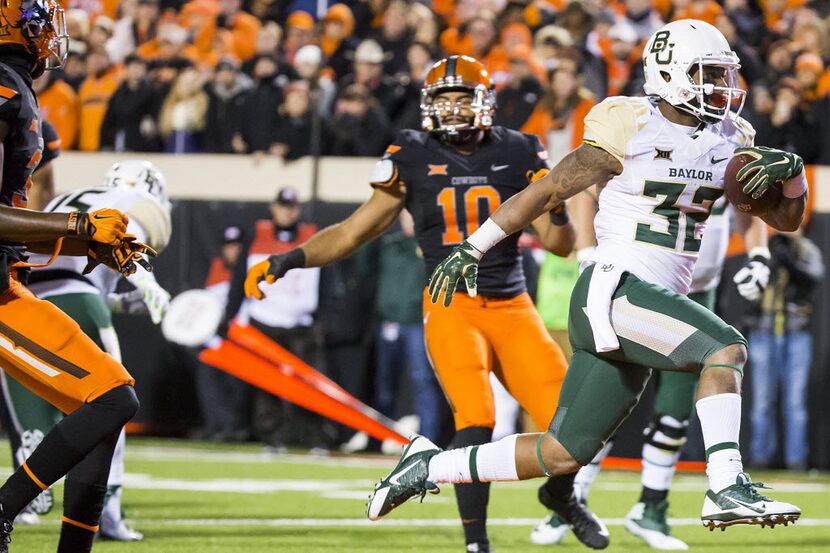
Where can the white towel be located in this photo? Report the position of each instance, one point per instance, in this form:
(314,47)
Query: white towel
(604,281)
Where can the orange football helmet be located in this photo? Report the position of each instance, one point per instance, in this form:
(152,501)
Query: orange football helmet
(39,26)
(454,74)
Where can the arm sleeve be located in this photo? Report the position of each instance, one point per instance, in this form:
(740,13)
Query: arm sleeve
(611,124)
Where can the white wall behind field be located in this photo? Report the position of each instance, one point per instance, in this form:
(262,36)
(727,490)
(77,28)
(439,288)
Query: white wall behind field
(228,177)
(248,178)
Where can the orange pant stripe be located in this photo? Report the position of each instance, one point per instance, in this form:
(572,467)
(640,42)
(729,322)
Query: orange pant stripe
(92,529)
(34,478)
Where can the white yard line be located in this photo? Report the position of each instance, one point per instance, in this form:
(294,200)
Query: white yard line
(348,522)
(160,453)
(357,487)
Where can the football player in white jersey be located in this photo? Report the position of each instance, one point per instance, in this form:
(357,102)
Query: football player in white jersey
(138,188)
(659,162)
(675,391)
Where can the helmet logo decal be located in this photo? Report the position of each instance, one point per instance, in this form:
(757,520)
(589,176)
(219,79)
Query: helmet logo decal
(662,48)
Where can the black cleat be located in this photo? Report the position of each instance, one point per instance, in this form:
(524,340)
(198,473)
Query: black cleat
(5,533)
(479,547)
(585,525)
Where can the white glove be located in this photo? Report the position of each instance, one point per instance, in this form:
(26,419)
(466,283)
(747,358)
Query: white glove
(149,298)
(753,278)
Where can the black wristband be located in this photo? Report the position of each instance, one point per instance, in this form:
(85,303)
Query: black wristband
(559,216)
(77,225)
(294,259)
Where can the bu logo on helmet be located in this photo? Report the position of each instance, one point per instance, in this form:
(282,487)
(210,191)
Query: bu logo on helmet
(662,48)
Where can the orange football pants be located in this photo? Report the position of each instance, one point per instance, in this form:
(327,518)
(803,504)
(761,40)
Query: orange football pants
(46,351)
(477,335)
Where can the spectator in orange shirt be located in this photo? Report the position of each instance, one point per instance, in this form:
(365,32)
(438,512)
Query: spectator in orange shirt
(336,40)
(704,10)
(101,82)
(58,103)
(199,18)
(809,72)
(239,27)
(558,118)
(169,46)
(299,31)
(132,31)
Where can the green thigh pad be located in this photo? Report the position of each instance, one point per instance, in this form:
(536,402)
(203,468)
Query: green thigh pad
(656,327)
(597,395)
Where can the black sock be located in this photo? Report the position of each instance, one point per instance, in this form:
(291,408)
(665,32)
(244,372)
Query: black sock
(83,497)
(472,498)
(82,508)
(649,495)
(67,444)
(557,491)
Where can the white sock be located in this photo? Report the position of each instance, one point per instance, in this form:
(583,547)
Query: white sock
(587,474)
(660,463)
(720,421)
(494,462)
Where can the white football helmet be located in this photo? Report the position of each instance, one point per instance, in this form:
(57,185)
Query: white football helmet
(141,175)
(687,47)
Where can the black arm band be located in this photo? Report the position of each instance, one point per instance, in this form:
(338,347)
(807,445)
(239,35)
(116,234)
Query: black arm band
(559,216)
(294,259)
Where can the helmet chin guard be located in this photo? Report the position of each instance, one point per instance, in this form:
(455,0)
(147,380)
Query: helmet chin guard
(677,61)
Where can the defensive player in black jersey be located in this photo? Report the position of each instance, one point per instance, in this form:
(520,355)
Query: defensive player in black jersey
(450,178)
(40,346)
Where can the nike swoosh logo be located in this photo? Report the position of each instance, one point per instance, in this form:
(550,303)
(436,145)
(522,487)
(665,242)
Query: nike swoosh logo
(716,161)
(395,478)
(760,511)
(499,167)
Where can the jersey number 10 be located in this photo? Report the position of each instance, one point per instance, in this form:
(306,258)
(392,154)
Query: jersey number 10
(471,214)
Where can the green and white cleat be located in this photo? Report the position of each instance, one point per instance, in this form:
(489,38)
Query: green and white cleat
(741,503)
(407,480)
(550,531)
(647,521)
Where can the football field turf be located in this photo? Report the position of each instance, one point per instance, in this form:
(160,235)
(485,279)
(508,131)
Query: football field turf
(192,497)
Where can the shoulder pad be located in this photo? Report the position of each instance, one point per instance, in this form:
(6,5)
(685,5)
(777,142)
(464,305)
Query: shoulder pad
(612,123)
(385,176)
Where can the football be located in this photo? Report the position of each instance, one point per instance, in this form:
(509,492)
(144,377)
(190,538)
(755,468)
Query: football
(735,193)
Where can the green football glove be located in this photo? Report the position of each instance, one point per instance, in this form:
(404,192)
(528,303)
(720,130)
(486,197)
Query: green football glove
(462,262)
(771,166)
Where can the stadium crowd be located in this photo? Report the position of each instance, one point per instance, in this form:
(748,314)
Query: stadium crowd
(244,76)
